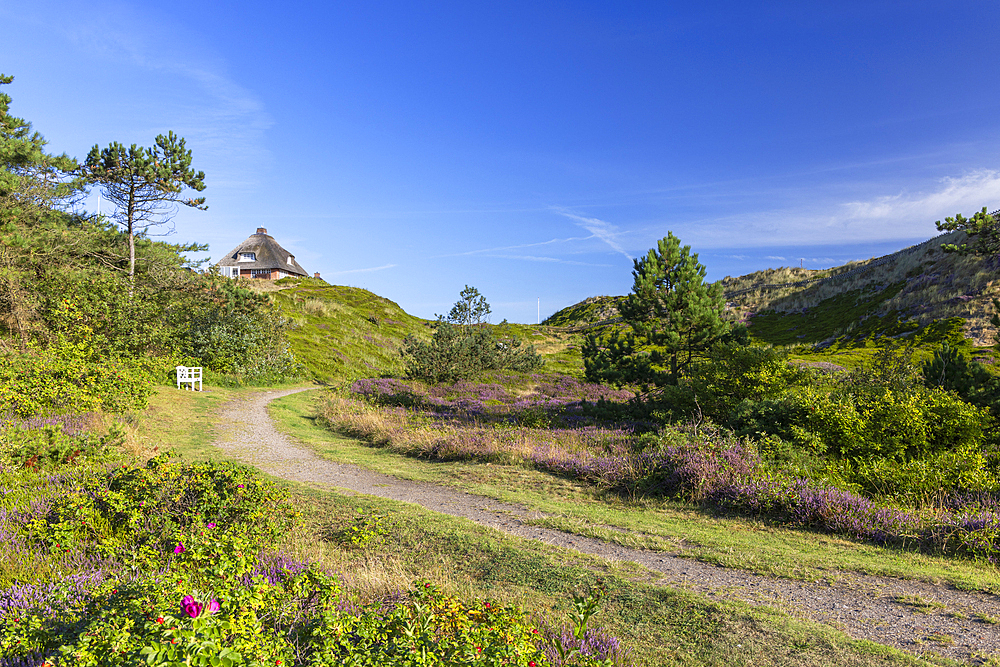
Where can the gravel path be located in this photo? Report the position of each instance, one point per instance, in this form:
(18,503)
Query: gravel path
(909,615)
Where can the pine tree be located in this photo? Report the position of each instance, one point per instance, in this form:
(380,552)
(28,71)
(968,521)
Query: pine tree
(145,184)
(34,186)
(471,308)
(673,315)
(981,228)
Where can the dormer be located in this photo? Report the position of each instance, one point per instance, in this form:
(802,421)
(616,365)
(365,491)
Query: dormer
(248,257)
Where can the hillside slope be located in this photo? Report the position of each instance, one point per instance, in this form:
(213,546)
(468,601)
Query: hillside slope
(916,285)
(904,290)
(587,312)
(342,333)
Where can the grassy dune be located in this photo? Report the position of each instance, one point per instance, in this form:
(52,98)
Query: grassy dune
(343,332)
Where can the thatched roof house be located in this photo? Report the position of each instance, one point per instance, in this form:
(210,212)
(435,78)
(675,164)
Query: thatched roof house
(260,256)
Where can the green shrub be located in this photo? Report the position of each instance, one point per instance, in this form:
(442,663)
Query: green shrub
(737,373)
(920,481)
(900,425)
(952,371)
(49,446)
(248,345)
(221,513)
(770,416)
(298,621)
(45,382)
(429,628)
(460,352)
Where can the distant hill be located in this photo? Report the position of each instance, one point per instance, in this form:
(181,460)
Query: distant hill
(587,312)
(345,333)
(916,285)
(894,293)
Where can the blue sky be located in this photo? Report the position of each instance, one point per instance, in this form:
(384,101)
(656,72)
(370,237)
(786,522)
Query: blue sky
(531,149)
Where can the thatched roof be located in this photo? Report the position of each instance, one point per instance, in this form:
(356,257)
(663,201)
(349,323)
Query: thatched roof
(267,255)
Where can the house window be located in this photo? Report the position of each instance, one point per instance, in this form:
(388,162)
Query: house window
(260,273)
(248,257)
(291,260)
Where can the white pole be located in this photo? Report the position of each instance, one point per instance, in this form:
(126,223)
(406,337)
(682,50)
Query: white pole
(538,315)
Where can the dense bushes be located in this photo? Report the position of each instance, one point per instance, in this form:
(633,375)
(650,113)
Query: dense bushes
(735,374)
(877,429)
(459,352)
(174,564)
(952,371)
(49,445)
(55,380)
(243,337)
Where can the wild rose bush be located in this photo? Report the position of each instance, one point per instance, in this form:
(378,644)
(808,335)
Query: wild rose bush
(54,381)
(175,564)
(37,442)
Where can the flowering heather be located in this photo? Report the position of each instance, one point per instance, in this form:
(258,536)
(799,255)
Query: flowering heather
(274,567)
(71,591)
(544,397)
(725,473)
(595,644)
(70,424)
(35,659)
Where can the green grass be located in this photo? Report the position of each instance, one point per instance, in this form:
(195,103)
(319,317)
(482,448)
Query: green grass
(343,333)
(660,626)
(184,421)
(651,523)
(828,318)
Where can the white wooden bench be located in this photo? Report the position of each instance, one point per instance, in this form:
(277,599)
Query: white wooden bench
(189,375)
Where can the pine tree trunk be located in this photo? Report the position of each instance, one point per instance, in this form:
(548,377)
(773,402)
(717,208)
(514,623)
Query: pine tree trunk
(131,243)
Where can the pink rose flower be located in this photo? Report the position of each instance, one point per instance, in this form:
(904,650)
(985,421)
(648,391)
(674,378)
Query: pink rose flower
(190,607)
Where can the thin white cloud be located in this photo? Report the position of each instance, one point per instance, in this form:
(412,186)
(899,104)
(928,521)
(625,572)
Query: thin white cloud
(965,194)
(903,215)
(600,229)
(555,260)
(517,247)
(775,257)
(368,270)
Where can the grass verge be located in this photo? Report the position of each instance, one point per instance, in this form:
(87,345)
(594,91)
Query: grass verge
(184,421)
(660,626)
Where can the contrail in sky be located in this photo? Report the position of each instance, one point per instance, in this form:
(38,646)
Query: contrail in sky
(600,229)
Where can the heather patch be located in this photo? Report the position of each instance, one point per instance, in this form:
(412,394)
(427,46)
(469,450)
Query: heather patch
(707,467)
(511,399)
